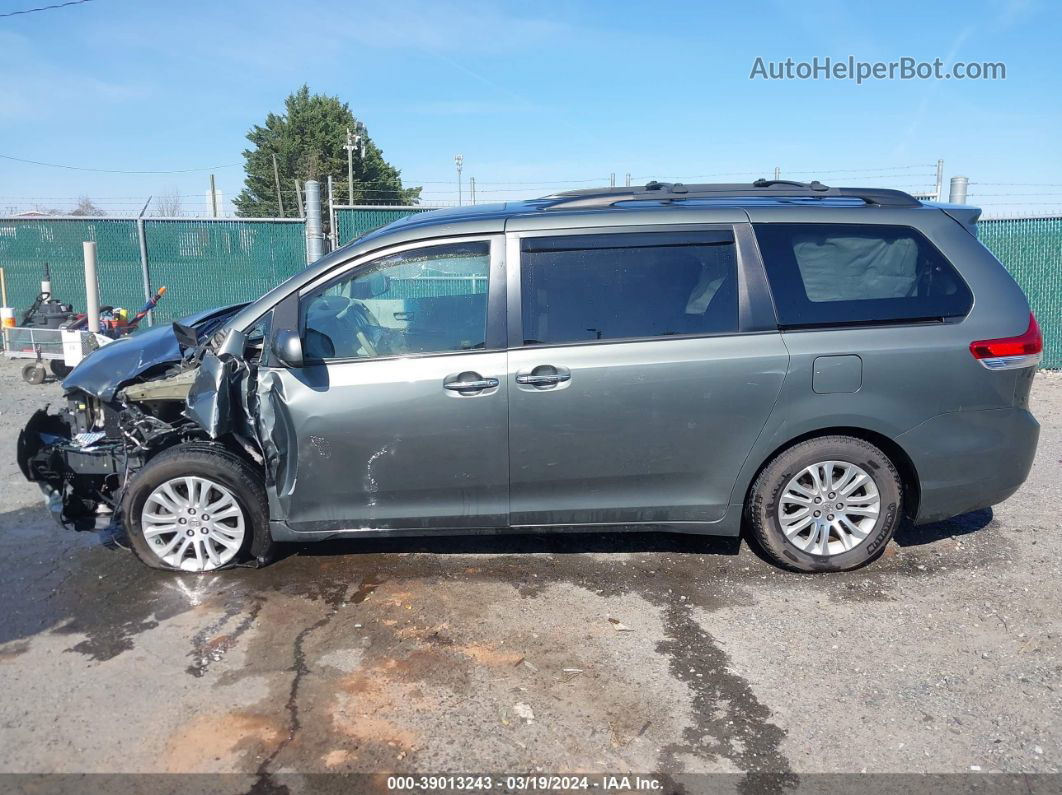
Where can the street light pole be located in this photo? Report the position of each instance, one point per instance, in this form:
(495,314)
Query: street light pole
(459,161)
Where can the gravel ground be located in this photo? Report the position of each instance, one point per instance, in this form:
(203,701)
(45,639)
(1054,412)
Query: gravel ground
(504,654)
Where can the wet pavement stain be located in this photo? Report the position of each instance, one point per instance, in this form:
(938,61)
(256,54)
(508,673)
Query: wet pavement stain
(729,720)
(335,596)
(210,646)
(109,599)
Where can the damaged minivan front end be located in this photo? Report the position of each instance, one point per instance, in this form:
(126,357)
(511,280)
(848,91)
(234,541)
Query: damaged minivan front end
(125,404)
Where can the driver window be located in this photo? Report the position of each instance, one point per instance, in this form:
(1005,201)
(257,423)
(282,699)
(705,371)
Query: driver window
(427,300)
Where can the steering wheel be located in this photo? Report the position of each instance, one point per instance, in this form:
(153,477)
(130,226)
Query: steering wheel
(358,315)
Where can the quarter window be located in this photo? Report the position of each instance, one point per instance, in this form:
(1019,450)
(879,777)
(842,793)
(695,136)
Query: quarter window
(587,288)
(428,300)
(823,274)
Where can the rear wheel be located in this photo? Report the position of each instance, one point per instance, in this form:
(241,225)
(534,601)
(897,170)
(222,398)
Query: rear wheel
(827,504)
(196,507)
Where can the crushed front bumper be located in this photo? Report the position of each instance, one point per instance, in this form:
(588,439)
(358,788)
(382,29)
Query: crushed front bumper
(78,473)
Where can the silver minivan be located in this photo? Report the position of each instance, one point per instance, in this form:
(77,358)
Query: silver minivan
(809,365)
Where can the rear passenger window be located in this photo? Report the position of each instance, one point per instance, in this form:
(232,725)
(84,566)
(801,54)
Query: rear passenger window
(824,274)
(603,287)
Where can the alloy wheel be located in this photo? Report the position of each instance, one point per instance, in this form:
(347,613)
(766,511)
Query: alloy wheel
(829,508)
(193,524)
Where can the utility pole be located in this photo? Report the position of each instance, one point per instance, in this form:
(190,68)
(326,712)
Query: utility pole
(459,161)
(355,140)
(472,188)
(213,200)
(940,180)
(777,172)
(298,194)
(612,180)
(628,179)
(350,166)
(276,178)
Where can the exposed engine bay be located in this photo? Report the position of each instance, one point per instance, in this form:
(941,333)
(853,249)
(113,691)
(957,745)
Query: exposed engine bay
(84,454)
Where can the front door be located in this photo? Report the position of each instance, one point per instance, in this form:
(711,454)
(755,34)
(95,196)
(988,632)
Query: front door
(636,394)
(399,418)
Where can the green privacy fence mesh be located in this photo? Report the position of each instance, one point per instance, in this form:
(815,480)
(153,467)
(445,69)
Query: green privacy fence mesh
(353,222)
(214,263)
(1031,248)
(207,262)
(202,263)
(27,244)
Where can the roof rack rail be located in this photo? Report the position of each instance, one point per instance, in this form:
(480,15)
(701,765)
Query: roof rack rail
(677,191)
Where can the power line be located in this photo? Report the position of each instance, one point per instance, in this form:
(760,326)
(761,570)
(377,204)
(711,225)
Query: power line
(985,195)
(116,170)
(44,8)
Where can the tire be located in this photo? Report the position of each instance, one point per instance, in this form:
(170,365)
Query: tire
(59,369)
(33,373)
(230,479)
(788,481)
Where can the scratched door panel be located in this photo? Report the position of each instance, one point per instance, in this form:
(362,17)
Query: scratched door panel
(383,444)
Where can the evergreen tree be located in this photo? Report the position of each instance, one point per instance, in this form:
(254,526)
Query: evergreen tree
(308,140)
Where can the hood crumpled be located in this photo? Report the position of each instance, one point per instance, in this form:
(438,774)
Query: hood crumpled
(113,366)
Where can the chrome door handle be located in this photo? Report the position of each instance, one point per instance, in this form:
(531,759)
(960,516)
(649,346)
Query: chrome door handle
(483,383)
(543,380)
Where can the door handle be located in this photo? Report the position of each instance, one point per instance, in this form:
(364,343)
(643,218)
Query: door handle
(461,386)
(543,380)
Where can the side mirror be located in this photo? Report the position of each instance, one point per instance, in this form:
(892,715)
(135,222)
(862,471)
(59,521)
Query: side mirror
(287,347)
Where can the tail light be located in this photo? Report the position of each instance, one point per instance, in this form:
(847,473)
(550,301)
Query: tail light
(1010,353)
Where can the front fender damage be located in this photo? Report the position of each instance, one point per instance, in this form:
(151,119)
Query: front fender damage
(85,454)
(223,401)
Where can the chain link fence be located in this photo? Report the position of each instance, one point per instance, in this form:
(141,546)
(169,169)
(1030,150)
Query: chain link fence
(213,262)
(207,263)
(202,262)
(353,222)
(1031,249)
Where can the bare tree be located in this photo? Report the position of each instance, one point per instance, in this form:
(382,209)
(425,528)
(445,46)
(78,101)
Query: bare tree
(86,207)
(169,205)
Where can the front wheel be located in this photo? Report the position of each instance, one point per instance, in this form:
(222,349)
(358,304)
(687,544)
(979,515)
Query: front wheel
(827,504)
(196,507)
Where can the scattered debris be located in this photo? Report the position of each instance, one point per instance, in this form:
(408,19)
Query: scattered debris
(524,711)
(619,626)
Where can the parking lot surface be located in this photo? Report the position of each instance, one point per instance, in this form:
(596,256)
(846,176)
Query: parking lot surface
(643,652)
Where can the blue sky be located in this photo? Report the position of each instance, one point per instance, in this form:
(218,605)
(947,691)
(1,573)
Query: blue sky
(535,96)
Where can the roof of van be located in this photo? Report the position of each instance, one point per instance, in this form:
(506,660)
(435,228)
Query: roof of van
(762,193)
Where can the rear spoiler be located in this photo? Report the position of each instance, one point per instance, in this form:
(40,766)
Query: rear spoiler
(967,216)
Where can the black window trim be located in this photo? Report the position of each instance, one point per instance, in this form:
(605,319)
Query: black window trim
(755,311)
(926,320)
